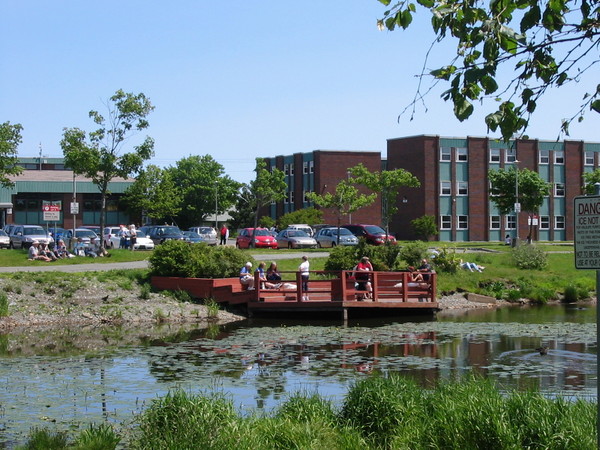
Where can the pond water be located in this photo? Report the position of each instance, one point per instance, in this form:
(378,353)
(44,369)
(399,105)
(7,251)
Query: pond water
(54,380)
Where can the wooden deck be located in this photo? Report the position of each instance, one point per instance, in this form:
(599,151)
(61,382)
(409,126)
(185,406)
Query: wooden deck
(331,292)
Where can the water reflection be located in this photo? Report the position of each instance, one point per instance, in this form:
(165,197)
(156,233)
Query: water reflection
(258,363)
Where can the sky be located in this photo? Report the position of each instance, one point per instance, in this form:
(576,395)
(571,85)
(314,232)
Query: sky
(235,79)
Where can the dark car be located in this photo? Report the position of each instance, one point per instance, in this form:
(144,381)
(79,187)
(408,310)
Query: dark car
(373,234)
(162,233)
(193,238)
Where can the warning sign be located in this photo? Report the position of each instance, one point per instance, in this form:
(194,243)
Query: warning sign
(587,232)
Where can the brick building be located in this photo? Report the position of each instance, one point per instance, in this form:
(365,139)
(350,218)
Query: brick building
(455,185)
(320,171)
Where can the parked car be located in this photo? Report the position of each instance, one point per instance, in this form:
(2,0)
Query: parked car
(261,239)
(328,237)
(4,239)
(290,238)
(192,237)
(373,234)
(8,228)
(56,233)
(303,227)
(22,236)
(112,237)
(85,234)
(95,228)
(161,233)
(209,234)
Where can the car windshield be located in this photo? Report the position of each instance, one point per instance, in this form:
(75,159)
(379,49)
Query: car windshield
(192,234)
(29,231)
(297,233)
(85,234)
(261,233)
(343,231)
(169,230)
(374,229)
(2,233)
(205,230)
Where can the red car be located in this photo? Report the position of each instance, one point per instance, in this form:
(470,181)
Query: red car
(374,234)
(262,239)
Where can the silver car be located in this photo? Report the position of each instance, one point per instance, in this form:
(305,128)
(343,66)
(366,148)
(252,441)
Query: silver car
(21,236)
(4,240)
(85,234)
(209,234)
(295,239)
(328,237)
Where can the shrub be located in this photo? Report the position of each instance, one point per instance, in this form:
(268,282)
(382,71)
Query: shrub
(3,305)
(424,227)
(341,258)
(413,252)
(145,291)
(383,257)
(44,439)
(171,259)
(570,294)
(529,257)
(98,437)
(446,261)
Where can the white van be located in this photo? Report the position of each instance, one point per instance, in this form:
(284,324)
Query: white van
(303,227)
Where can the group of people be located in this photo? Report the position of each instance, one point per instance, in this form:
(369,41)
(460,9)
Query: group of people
(271,278)
(128,237)
(44,252)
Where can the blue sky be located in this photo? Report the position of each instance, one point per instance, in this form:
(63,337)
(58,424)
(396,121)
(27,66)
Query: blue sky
(234,79)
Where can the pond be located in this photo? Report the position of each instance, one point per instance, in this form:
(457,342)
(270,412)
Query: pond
(69,378)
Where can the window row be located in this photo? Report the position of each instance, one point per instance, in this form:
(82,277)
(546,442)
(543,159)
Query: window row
(462,222)
(289,197)
(510,222)
(307,167)
(460,152)
(462,188)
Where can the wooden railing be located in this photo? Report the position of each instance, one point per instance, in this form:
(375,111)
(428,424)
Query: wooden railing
(342,286)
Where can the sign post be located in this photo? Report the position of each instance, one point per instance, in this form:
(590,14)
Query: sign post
(587,247)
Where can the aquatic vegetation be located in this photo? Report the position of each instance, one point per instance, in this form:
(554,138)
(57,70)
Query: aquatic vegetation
(3,304)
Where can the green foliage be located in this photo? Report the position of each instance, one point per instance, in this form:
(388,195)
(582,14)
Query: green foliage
(309,216)
(179,259)
(530,257)
(10,138)
(145,290)
(386,183)
(268,186)
(344,201)
(3,304)
(446,261)
(589,181)
(202,181)
(212,308)
(308,408)
(544,46)
(383,257)
(97,437)
(266,222)
(44,439)
(341,258)
(413,252)
(242,216)
(532,189)
(424,227)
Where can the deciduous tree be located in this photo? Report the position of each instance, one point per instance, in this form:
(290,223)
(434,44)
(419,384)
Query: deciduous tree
(386,184)
(547,44)
(99,155)
(589,181)
(10,138)
(268,186)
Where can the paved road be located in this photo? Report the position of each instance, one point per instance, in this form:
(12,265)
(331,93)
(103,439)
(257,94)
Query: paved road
(142,264)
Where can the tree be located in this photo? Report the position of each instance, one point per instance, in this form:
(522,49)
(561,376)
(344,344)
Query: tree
(386,183)
(242,215)
(547,45)
(344,201)
(154,194)
(309,216)
(425,227)
(532,189)
(99,154)
(204,188)
(589,181)
(268,186)
(10,138)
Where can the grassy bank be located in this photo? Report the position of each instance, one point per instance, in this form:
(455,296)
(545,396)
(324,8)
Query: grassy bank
(377,413)
(16,258)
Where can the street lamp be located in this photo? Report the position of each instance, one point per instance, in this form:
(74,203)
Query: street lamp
(216,204)
(517,204)
(349,214)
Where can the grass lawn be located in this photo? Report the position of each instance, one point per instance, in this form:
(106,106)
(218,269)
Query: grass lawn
(15,258)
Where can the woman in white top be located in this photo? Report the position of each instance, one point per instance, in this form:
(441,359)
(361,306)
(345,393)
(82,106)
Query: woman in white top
(304,273)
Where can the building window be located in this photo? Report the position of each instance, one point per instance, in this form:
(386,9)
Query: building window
(510,155)
(494,222)
(559,157)
(445,188)
(291,196)
(305,167)
(286,169)
(511,222)
(462,222)
(559,190)
(544,222)
(589,159)
(292,169)
(306,199)
(544,157)
(311,166)
(445,153)
(445,222)
(462,154)
(462,188)
(559,222)
(494,155)
(286,199)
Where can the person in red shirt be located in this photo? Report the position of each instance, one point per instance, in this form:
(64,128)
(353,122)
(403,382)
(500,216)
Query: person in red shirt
(362,278)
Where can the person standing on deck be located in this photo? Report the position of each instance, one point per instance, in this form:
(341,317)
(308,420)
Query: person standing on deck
(304,270)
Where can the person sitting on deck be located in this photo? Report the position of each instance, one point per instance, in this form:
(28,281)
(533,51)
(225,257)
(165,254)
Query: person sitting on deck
(362,278)
(272,272)
(246,277)
(414,275)
(425,267)
(264,284)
